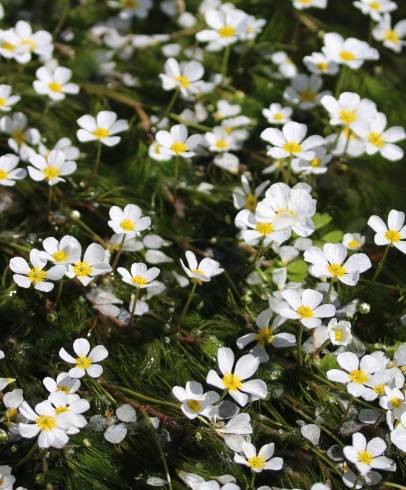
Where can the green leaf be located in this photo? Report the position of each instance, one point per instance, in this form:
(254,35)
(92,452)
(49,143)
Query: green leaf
(297,270)
(320,220)
(334,236)
(328,362)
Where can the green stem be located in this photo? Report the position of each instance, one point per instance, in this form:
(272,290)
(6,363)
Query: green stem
(299,344)
(96,163)
(259,252)
(175,178)
(341,80)
(329,291)
(140,396)
(347,410)
(393,485)
(59,294)
(186,307)
(226,57)
(170,105)
(381,264)
(159,447)
(137,294)
(252,483)
(119,252)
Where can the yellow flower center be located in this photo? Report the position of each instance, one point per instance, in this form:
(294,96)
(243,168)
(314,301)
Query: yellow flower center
(292,147)
(8,46)
(178,147)
(347,56)
(250,202)
(375,5)
(82,269)
(55,86)
(380,389)
(51,172)
(129,4)
(139,280)
(315,162)
(63,389)
(353,243)
(376,139)
(338,335)
(226,31)
(36,275)
(198,271)
(3,174)
(221,144)
(358,376)
(348,116)
(127,225)
(232,382)
(322,66)
(101,133)
(194,405)
(392,37)
(63,409)
(392,236)
(264,228)
(336,270)
(83,362)
(305,312)
(278,116)
(3,102)
(29,42)
(307,96)
(256,462)
(18,135)
(11,413)
(60,256)
(184,81)
(395,402)
(264,335)
(365,457)
(46,422)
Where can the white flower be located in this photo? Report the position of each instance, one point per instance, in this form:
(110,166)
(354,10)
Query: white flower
(39,42)
(183,76)
(394,402)
(176,142)
(132,8)
(128,221)
(251,28)
(127,417)
(303,306)
(306,4)
(304,91)
(227,161)
(348,109)
(392,37)
(12,400)
(194,401)
(367,456)
(101,128)
(94,263)
(64,145)
(286,67)
(8,171)
(63,383)
(261,225)
(394,233)
(244,198)
(398,436)
(70,407)
(26,275)
(220,140)
(6,478)
(358,375)
(6,99)
(21,138)
(277,114)
(339,332)
(234,377)
(140,276)
(86,360)
(353,241)
(260,461)
(378,139)
(347,143)
(266,335)
(329,262)
(66,251)
(5,382)
(319,64)
(315,166)
(375,8)
(51,169)
(154,152)
(49,427)
(225,28)
(54,82)
(351,52)
(294,207)
(291,141)
(203,271)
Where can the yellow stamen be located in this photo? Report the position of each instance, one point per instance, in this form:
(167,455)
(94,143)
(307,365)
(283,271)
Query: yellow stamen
(264,228)
(8,46)
(256,462)
(307,96)
(338,335)
(292,147)
(60,256)
(365,457)
(101,133)
(178,147)
(221,144)
(82,269)
(250,202)
(63,389)
(392,236)
(139,280)
(322,66)
(10,414)
(129,4)
(29,42)
(375,5)
(376,139)
(194,405)
(3,102)
(3,174)
(278,116)
(347,56)
(46,422)
(36,275)
(380,389)
(348,116)
(353,243)
(55,86)
(226,31)
(336,270)
(51,172)
(392,37)
(63,409)
(83,362)
(264,335)
(184,81)
(232,382)
(358,376)
(127,225)
(395,402)
(315,162)
(305,312)
(18,135)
